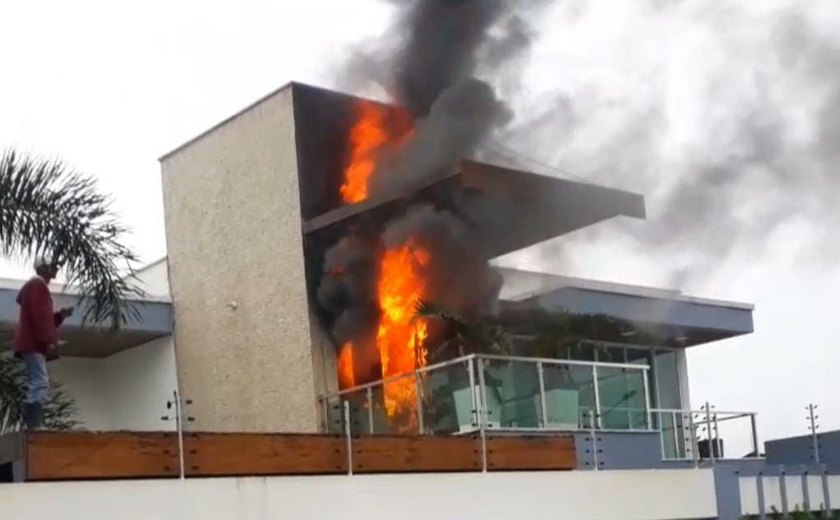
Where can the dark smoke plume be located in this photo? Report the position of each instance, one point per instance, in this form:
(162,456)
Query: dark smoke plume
(439,52)
(438,60)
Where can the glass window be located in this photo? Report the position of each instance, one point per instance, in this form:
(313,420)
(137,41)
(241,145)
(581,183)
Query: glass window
(569,396)
(622,395)
(667,379)
(644,356)
(513,393)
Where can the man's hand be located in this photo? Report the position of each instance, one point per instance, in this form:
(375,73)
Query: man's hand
(66,312)
(51,353)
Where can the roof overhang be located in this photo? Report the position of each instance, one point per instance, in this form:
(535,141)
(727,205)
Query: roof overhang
(675,319)
(94,340)
(508,209)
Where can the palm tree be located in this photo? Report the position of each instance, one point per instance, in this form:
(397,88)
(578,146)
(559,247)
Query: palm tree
(46,208)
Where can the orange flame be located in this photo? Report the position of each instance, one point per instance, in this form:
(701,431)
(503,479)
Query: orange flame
(366,138)
(346,375)
(375,128)
(401,336)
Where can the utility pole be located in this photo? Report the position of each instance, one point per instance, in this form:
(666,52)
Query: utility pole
(813,427)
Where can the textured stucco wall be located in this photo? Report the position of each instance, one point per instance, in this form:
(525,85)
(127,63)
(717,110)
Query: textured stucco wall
(236,269)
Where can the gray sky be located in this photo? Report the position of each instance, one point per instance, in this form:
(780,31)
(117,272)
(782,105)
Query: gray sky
(656,96)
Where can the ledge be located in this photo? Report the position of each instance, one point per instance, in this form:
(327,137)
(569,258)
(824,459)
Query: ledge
(58,456)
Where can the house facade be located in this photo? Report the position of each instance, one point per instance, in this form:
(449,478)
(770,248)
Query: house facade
(232,325)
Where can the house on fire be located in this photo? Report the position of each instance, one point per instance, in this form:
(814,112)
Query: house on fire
(288,304)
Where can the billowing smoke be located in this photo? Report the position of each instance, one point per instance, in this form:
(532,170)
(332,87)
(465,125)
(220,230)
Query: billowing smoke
(728,121)
(438,60)
(444,58)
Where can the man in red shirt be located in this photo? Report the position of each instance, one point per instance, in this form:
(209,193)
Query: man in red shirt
(36,338)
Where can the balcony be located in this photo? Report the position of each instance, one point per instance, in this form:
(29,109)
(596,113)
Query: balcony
(606,406)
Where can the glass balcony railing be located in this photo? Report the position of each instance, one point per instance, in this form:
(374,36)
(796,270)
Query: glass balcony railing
(496,393)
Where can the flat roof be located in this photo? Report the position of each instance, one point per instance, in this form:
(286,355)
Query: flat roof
(507,209)
(669,315)
(93,340)
(543,283)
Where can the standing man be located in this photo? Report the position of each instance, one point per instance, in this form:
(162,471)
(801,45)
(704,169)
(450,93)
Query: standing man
(36,338)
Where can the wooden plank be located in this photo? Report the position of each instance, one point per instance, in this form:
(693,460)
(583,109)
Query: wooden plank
(530,453)
(234,454)
(83,455)
(381,454)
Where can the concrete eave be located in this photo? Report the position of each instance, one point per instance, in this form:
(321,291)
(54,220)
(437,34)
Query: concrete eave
(678,318)
(508,209)
(93,340)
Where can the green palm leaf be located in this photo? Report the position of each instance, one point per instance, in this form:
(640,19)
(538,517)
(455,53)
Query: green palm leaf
(47,208)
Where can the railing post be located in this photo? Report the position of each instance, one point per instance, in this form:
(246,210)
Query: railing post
(597,397)
(484,412)
(595,458)
(709,431)
(661,415)
(543,406)
(695,455)
(180,421)
(473,394)
(647,400)
(676,435)
(754,425)
(349,437)
(418,391)
(369,398)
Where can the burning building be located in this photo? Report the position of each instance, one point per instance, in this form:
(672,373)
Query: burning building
(304,232)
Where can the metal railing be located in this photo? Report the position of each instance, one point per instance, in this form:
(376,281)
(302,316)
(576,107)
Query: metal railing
(480,393)
(500,393)
(696,434)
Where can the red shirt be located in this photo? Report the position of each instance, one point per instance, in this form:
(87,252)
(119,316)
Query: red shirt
(38,324)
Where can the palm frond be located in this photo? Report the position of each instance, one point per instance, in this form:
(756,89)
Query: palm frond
(47,208)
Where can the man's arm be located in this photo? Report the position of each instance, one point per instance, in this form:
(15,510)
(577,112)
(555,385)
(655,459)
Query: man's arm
(40,310)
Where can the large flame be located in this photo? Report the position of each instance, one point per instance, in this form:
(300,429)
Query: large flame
(346,372)
(375,128)
(366,138)
(401,336)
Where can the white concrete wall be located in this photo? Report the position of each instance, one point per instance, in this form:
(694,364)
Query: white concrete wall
(154,279)
(126,391)
(795,493)
(625,495)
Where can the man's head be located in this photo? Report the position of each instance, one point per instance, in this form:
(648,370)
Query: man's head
(46,268)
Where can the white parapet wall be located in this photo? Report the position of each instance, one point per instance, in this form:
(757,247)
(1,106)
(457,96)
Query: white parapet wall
(625,495)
